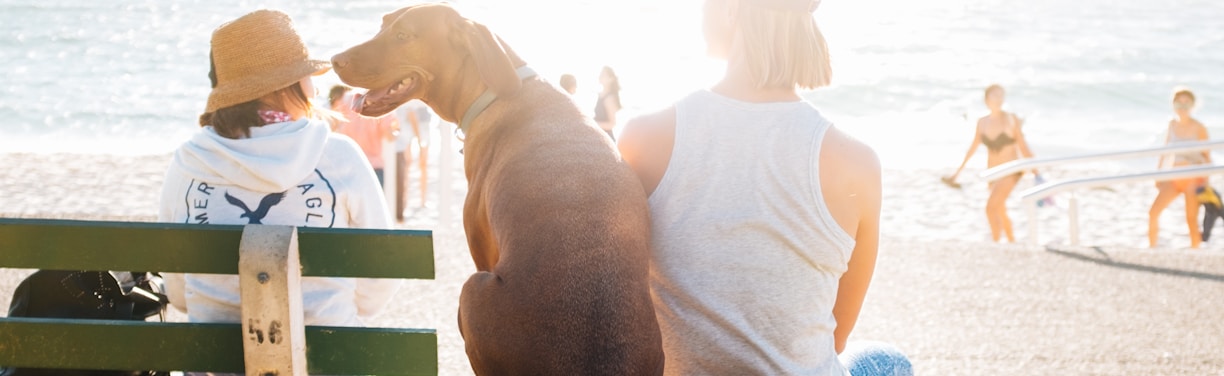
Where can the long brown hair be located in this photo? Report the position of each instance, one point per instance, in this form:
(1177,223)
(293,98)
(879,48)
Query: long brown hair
(236,121)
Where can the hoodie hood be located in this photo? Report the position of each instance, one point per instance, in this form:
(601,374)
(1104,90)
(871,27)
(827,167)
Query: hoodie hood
(275,157)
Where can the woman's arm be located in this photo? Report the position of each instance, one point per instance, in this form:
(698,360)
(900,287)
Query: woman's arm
(977,140)
(172,188)
(1203,136)
(367,208)
(1021,142)
(646,146)
(852,288)
(1160,162)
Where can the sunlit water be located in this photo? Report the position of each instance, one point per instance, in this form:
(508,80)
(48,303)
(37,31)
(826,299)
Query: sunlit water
(130,77)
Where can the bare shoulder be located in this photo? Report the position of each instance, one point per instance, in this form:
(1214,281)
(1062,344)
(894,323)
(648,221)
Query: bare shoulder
(850,157)
(849,180)
(646,143)
(982,122)
(1202,129)
(647,132)
(651,123)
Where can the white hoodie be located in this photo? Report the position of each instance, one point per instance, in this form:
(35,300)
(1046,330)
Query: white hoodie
(293,173)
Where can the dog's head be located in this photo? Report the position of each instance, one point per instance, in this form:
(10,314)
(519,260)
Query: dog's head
(422,46)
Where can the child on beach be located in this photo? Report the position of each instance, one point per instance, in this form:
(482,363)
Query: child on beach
(569,83)
(263,156)
(1001,132)
(1182,128)
(765,240)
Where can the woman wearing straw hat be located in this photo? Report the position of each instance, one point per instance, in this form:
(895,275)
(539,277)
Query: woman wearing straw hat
(264,155)
(761,258)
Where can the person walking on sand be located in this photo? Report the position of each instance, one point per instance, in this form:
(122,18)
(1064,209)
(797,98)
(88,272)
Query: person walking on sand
(1181,129)
(764,241)
(1001,132)
(608,102)
(263,156)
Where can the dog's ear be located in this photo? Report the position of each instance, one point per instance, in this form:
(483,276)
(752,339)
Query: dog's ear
(493,62)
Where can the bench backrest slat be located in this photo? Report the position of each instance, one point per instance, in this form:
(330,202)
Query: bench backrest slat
(133,345)
(191,248)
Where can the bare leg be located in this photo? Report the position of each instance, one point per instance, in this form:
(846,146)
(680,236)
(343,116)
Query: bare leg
(401,178)
(1192,209)
(1163,198)
(993,221)
(1005,188)
(996,208)
(424,159)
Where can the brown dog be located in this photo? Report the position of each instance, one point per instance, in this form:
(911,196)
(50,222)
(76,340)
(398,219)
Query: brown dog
(557,224)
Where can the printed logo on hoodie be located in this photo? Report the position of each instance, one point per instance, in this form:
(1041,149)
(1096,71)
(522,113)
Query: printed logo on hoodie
(311,203)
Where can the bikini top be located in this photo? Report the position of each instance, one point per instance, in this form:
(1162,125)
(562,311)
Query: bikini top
(998,143)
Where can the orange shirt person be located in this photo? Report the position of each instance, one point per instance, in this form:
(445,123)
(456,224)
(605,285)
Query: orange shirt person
(369,133)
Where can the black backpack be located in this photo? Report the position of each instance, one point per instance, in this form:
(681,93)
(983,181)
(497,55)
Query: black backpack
(87,294)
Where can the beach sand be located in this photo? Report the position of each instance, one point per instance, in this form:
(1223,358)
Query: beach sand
(957,303)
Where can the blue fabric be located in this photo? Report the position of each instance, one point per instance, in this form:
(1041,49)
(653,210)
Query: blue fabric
(865,358)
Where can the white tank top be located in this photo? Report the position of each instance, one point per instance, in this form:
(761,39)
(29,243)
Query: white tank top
(746,257)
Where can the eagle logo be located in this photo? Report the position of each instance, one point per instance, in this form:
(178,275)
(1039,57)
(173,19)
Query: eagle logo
(262,211)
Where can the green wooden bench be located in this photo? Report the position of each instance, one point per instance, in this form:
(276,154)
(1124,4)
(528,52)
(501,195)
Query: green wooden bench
(188,248)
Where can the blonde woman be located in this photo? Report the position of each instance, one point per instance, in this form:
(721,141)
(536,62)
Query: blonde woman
(761,259)
(1182,128)
(263,156)
(1000,132)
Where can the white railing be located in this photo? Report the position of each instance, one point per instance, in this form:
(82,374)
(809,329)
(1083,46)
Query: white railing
(1005,169)
(1029,197)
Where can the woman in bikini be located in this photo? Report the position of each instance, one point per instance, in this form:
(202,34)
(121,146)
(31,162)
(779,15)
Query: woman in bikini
(1181,129)
(1000,132)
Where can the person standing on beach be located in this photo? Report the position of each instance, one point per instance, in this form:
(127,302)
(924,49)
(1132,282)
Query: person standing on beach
(370,133)
(765,217)
(1181,129)
(420,121)
(264,156)
(1000,132)
(609,101)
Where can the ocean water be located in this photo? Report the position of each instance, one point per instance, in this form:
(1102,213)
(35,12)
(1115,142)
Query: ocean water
(130,77)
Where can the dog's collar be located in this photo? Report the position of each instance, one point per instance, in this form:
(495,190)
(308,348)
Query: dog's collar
(484,100)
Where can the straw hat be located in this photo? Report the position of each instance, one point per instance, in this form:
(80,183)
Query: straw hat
(801,6)
(255,55)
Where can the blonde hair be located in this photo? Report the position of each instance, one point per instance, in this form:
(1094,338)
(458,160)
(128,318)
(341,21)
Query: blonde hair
(1184,91)
(783,49)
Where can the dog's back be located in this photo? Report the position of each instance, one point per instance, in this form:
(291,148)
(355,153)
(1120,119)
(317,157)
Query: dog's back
(569,292)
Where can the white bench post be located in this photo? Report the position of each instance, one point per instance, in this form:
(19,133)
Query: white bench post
(1030,207)
(270,276)
(1073,216)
